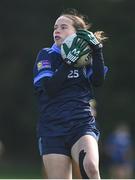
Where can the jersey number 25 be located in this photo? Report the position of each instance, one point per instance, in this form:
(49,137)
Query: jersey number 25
(73,74)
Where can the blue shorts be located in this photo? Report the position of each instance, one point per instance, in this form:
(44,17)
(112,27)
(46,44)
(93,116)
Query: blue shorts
(63,144)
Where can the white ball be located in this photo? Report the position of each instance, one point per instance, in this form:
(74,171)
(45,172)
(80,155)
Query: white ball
(84,60)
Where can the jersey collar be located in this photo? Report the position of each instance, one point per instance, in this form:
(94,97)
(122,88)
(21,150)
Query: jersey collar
(56,48)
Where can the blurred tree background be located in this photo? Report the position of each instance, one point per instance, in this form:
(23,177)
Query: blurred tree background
(26,27)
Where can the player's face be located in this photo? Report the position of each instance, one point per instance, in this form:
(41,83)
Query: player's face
(63,28)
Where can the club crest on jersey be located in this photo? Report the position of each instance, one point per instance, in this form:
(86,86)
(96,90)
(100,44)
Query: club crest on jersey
(43,64)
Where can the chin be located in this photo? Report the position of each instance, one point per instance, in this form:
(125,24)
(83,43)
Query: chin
(58,43)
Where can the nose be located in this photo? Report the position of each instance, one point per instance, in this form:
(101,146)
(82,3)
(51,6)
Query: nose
(57,32)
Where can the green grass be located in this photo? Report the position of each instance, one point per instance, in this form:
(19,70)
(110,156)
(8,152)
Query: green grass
(15,171)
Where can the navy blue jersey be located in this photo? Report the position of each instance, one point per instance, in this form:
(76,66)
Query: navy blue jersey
(68,108)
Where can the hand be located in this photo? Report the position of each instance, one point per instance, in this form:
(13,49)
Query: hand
(76,50)
(90,38)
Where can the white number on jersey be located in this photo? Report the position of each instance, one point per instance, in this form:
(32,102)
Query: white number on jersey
(73,74)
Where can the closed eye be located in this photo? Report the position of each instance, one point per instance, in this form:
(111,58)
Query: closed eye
(62,26)
(55,27)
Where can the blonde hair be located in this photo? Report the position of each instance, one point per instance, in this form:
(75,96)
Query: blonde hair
(81,22)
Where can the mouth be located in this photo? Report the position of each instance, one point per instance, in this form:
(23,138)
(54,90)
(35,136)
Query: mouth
(57,38)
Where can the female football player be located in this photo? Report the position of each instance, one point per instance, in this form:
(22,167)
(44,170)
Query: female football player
(66,127)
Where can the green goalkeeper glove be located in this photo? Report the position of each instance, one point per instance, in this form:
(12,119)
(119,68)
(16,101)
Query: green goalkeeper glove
(77,49)
(90,38)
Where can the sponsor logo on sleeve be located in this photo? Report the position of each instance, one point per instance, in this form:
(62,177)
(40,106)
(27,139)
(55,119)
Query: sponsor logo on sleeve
(44,64)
